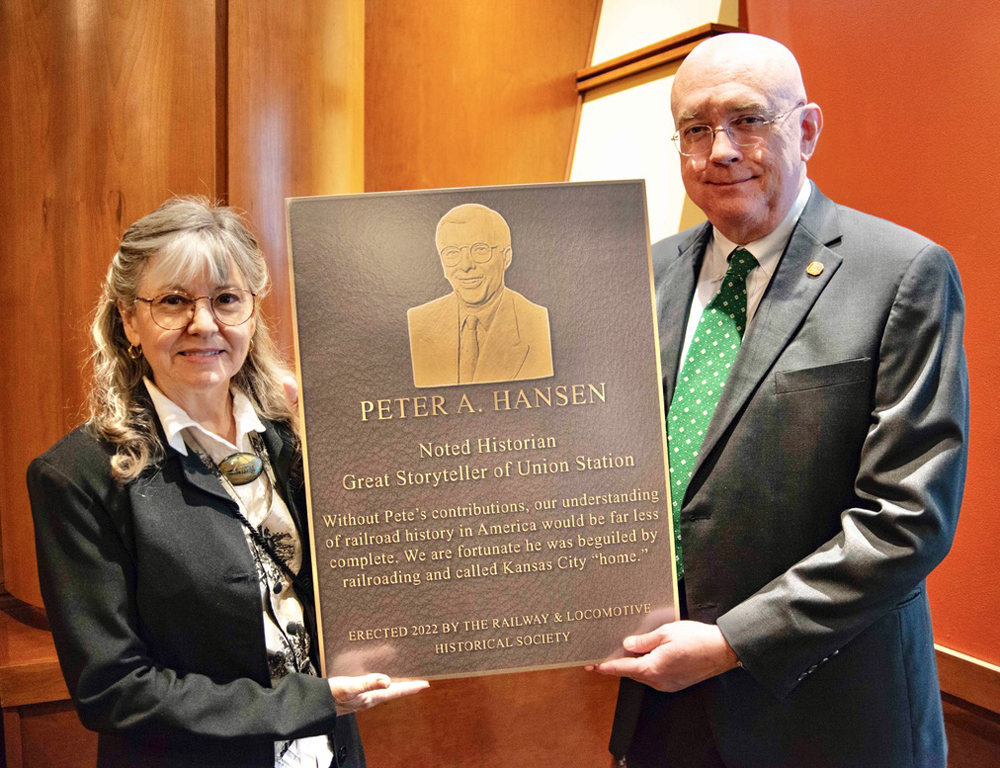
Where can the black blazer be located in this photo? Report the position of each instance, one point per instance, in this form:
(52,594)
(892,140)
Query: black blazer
(155,608)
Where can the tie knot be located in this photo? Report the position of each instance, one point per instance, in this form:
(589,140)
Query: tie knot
(741,261)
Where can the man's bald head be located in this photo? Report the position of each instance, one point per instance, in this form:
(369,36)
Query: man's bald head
(745,58)
(744,180)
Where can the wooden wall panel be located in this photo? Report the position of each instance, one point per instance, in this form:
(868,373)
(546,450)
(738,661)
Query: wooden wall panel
(108,108)
(48,736)
(295,117)
(555,719)
(458,94)
(470,93)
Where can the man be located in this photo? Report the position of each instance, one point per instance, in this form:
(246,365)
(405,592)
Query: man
(482,331)
(816,492)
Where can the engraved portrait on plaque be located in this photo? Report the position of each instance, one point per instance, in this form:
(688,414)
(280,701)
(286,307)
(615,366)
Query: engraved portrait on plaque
(482,331)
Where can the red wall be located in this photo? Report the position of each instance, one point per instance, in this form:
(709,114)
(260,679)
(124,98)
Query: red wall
(911,96)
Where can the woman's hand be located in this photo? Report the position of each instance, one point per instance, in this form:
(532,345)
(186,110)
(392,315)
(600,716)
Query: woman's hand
(353,694)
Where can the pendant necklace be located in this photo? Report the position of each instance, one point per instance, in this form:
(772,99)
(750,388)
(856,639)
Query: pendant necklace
(242,468)
(250,468)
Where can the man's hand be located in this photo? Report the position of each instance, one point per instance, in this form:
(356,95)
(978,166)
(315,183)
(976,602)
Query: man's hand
(353,694)
(674,656)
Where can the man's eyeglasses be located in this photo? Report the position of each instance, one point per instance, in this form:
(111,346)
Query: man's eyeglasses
(743,131)
(478,252)
(175,309)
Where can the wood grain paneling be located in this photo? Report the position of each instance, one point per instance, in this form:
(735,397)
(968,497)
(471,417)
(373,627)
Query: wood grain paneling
(40,726)
(295,117)
(465,94)
(553,719)
(650,57)
(461,93)
(48,736)
(29,669)
(109,108)
(969,679)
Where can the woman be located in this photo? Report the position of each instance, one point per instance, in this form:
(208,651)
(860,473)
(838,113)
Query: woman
(173,549)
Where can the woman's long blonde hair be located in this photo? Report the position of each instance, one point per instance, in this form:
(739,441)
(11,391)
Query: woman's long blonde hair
(190,235)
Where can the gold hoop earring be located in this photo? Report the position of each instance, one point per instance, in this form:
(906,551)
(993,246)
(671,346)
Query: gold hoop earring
(134,352)
(250,349)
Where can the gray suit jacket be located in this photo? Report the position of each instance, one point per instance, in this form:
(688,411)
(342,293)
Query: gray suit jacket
(827,488)
(155,607)
(518,345)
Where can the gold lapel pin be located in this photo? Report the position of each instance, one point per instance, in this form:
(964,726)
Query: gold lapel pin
(815,268)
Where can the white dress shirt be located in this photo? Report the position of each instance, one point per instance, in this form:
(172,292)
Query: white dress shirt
(767,251)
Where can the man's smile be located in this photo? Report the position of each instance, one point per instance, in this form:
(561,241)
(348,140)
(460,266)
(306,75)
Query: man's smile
(733,183)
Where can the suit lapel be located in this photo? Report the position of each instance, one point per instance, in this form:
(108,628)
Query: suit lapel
(503,352)
(192,468)
(443,338)
(282,454)
(786,303)
(202,478)
(278,451)
(675,283)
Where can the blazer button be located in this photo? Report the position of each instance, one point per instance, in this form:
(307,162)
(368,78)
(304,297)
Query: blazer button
(342,756)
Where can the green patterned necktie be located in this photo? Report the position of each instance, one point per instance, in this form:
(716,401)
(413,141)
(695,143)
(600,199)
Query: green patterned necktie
(703,375)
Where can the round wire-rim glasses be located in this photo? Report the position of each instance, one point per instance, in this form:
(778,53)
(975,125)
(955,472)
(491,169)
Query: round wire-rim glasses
(478,252)
(743,131)
(174,310)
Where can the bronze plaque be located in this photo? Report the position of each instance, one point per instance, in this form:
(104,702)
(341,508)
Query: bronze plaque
(483,420)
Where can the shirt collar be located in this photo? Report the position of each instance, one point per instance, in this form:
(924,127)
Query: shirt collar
(175,419)
(767,250)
